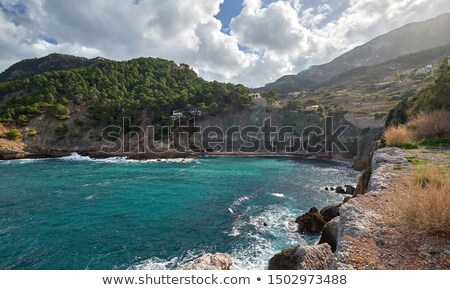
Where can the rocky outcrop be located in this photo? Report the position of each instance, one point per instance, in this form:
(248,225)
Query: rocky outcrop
(349,189)
(340,189)
(330,212)
(216,261)
(354,223)
(383,160)
(347,199)
(310,222)
(363,182)
(330,234)
(303,258)
(347,222)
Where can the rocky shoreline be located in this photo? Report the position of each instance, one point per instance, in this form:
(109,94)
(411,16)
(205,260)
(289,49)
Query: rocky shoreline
(340,224)
(4,155)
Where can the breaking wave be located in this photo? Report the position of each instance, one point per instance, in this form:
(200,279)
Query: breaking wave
(77,157)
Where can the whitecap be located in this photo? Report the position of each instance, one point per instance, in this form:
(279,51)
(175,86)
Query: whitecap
(75,157)
(291,226)
(234,232)
(278,195)
(239,201)
(269,236)
(22,161)
(156,263)
(90,197)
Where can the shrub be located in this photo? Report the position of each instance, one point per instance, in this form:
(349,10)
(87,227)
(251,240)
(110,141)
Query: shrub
(31,132)
(395,136)
(13,134)
(22,119)
(60,112)
(62,130)
(421,200)
(430,125)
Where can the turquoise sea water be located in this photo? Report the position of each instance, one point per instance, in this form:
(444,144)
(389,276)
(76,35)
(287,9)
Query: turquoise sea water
(78,213)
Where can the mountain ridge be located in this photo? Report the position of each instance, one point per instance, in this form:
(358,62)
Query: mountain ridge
(48,63)
(410,38)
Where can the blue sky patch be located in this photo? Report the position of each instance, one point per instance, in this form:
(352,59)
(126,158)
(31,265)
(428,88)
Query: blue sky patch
(49,39)
(228,10)
(13,9)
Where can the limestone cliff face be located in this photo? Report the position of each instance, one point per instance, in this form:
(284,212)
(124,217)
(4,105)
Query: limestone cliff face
(84,135)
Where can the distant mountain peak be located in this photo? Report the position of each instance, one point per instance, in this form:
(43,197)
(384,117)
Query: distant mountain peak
(410,38)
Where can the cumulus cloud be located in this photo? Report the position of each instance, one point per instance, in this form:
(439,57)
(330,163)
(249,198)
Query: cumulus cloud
(273,28)
(264,42)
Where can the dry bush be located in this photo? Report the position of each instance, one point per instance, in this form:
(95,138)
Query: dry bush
(429,125)
(398,135)
(421,200)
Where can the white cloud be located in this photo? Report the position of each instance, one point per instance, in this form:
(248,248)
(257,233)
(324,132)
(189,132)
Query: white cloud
(275,28)
(279,38)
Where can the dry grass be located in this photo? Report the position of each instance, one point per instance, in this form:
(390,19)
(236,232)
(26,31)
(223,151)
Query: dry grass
(421,200)
(398,135)
(434,124)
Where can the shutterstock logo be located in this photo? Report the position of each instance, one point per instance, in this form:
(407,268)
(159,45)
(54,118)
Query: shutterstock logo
(189,137)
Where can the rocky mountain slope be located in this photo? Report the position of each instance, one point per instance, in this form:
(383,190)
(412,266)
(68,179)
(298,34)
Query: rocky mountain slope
(411,38)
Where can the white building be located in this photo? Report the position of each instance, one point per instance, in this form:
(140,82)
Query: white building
(312,108)
(426,70)
(177,114)
(195,112)
(255,96)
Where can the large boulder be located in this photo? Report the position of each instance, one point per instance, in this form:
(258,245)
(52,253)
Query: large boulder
(303,258)
(216,261)
(349,189)
(339,189)
(310,222)
(330,212)
(330,234)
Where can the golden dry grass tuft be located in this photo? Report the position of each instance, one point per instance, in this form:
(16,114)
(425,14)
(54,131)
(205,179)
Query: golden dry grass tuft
(434,124)
(397,135)
(421,200)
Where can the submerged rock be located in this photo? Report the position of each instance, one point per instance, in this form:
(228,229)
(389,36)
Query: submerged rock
(330,212)
(216,261)
(330,234)
(303,258)
(310,222)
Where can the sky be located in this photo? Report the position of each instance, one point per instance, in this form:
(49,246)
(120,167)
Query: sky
(252,42)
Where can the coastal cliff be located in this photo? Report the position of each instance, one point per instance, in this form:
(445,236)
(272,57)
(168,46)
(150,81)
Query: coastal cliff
(355,220)
(86,138)
(371,231)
